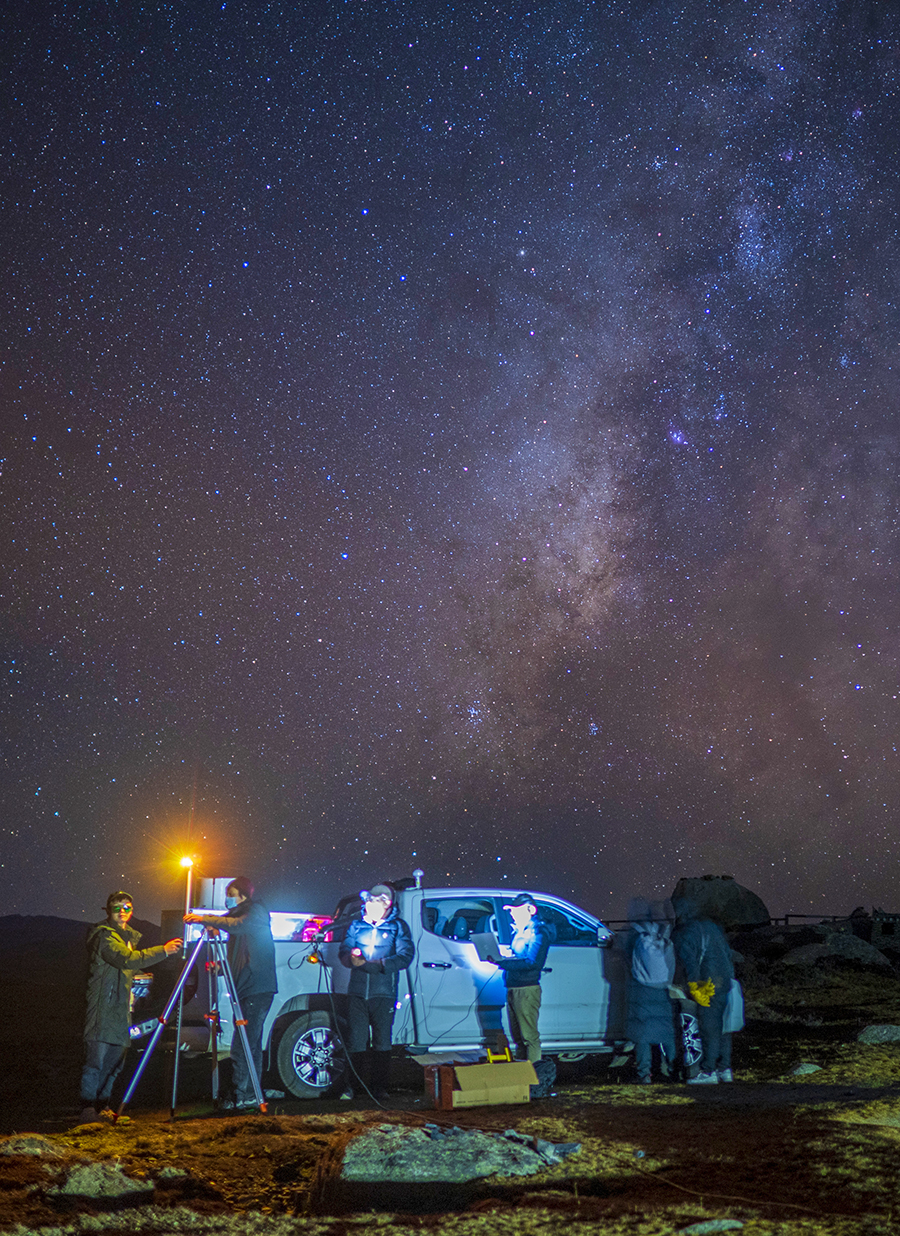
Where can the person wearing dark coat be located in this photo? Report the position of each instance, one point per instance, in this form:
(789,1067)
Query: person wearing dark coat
(531,940)
(705,957)
(651,1018)
(114,960)
(377,946)
(251,956)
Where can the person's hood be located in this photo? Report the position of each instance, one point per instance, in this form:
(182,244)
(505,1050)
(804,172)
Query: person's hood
(392,914)
(641,911)
(687,910)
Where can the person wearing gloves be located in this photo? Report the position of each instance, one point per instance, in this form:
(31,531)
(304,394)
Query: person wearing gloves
(377,946)
(114,960)
(705,958)
(251,956)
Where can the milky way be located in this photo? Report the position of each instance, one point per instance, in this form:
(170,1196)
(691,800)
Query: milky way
(448,438)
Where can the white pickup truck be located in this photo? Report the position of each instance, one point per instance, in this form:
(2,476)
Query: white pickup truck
(448,999)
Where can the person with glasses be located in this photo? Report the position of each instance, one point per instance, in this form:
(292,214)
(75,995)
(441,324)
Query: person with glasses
(114,960)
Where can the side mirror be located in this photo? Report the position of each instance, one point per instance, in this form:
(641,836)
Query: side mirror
(605,936)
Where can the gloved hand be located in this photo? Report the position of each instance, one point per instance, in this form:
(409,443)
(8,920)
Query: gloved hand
(702,992)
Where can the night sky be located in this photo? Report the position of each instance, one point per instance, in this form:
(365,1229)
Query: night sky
(452,437)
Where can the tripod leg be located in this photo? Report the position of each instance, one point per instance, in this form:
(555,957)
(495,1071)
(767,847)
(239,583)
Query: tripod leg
(212,975)
(161,1025)
(177,1057)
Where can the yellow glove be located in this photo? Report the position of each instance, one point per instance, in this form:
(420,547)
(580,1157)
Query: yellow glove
(702,992)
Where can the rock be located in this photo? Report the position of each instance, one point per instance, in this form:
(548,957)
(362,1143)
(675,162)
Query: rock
(29,1144)
(841,946)
(804,1068)
(879,1034)
(806,955)
(398,1155)
(101,1182)
(722,899)
(708,1226)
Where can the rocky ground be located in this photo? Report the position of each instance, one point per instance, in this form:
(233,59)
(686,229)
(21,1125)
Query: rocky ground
(780,1151)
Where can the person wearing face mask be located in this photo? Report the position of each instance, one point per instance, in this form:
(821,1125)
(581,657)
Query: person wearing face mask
(114,960)
(378,945)
(251,955)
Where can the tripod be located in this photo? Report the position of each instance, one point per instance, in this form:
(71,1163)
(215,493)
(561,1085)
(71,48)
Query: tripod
(210,936)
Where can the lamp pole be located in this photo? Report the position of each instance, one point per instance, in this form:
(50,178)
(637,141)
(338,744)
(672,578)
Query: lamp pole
(188,864)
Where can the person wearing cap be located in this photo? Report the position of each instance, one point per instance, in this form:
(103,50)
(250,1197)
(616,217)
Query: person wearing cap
(377,946)
(522,973)
(114,960)
(251,956)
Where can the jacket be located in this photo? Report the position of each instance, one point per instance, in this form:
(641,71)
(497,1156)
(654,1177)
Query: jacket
(651,1012)
(704,953)
(529,949)
(388,948)
(251,949)
(114,960)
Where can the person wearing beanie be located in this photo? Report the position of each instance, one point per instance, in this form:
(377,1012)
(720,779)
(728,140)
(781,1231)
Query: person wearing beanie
(377,946)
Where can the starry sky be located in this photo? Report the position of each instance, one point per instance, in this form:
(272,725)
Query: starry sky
(450,436)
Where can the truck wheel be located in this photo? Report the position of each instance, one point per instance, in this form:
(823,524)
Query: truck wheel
(310,1057)
(690,1038)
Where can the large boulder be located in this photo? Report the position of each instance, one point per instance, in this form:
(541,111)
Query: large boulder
(839,946)
(722,899)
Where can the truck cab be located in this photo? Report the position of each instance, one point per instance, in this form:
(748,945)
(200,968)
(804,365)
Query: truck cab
(448,1000)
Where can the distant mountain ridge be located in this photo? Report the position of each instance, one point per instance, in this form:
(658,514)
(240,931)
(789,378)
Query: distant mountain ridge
(41,947)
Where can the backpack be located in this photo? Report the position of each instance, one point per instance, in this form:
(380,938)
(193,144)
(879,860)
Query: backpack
(653,957)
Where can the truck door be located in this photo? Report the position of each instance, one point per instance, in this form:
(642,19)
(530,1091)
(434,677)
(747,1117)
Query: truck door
(575,990)
(460,1000)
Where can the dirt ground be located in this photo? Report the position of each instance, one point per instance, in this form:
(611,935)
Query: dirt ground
(773,1152)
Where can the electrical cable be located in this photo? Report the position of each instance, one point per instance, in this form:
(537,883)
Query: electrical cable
(329,987)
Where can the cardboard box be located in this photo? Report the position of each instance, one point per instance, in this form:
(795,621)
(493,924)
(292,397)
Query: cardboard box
(479,1085)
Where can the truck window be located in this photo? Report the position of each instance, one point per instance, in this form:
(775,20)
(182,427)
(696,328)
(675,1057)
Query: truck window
(456,918)
(572,930)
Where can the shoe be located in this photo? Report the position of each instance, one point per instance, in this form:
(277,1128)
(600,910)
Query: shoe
(645,1081)
(88,1115)
(704,1079)
(725,1075)
(347,1094)
(381,1096)
(110,1117)
(233,1107)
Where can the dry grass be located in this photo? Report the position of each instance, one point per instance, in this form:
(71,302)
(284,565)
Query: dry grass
(784,1156)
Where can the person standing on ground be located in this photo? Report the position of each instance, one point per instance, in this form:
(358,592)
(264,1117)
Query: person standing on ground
(114,960)
(522,973)
(377,946)
(651,1011)
(705,956)
(251,956)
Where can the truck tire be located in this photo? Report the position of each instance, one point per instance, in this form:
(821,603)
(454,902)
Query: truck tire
(692,1046)
(310,1056)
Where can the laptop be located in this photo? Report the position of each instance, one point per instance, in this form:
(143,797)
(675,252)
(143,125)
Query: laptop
(485,944)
